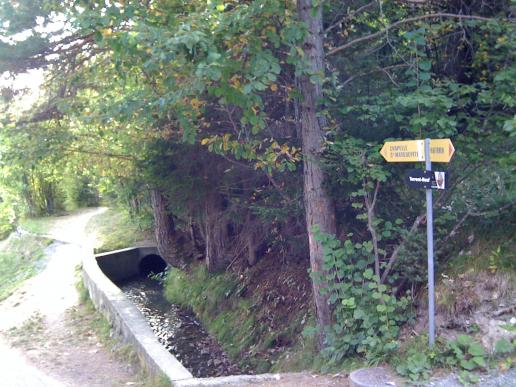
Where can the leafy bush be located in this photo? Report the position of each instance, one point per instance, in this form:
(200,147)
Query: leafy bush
(7,219)
(466,353)
(80,192)
(417,366)
(367,314)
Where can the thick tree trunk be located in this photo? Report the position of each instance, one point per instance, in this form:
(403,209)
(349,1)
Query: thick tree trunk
(164,228)
(319,207)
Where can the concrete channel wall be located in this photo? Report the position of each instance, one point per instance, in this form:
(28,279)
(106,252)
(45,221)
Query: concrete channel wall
(130,325)
(127,321)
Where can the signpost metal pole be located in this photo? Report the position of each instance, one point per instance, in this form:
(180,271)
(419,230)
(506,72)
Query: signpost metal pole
(430,248)
(412,151)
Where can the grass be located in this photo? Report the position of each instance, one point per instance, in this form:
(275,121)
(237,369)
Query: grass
(21,258)
(115,230)
(212,298)
(38,225)
(490,254)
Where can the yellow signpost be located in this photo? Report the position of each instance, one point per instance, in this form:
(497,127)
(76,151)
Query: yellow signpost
(441,151)
(404,151)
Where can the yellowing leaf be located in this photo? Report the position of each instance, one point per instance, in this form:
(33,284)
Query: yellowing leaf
(195,103)
(225,141)
(274,87)
(106,31)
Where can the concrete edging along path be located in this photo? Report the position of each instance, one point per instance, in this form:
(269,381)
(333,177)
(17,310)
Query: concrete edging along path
(128,323)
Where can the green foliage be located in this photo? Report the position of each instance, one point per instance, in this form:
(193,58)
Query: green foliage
(80,192)
(367,313)
(213,299)
(40,225)
(502,259)
(416,367)
(466,353)
(417,361)
(306,356)
(467,378)
(504,346)
(114,229)
(21,257)
(511,327)
(7,219)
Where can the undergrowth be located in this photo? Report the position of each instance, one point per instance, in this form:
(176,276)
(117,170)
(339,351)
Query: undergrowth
(21,258)
(114,229)
(233,319)
(211,297)
(306,355)
(38,225)
(465,355)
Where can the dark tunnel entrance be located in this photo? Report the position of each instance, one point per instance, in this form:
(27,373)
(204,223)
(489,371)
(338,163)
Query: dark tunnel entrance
(152,263)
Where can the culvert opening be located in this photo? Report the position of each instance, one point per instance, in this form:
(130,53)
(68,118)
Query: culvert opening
(152,264)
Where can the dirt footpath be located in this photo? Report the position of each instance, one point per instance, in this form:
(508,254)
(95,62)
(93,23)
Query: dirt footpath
(46,338)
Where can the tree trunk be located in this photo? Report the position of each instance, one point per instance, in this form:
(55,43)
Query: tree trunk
(215,233)
(319,208)
(164,228)
(249,230)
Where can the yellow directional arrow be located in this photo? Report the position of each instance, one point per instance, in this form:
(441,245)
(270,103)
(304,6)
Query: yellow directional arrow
(404,151)
(441,151)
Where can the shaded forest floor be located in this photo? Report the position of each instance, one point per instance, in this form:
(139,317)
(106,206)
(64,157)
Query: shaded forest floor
(270,305)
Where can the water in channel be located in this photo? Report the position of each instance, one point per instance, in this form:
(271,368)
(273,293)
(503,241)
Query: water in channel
(178,330)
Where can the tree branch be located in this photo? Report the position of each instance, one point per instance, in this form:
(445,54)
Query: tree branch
(379,69)
(103,154)
(495,210)
(394,255)
(401,22)
(466,216)
(349,16)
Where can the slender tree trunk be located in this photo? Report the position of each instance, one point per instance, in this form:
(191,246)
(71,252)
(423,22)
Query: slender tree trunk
(319,208)
(215,234)
(250,241)
(164,228)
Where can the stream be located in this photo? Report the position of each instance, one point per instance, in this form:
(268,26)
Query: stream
(178,330)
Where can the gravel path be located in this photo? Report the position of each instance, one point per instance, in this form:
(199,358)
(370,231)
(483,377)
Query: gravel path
(45,338)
